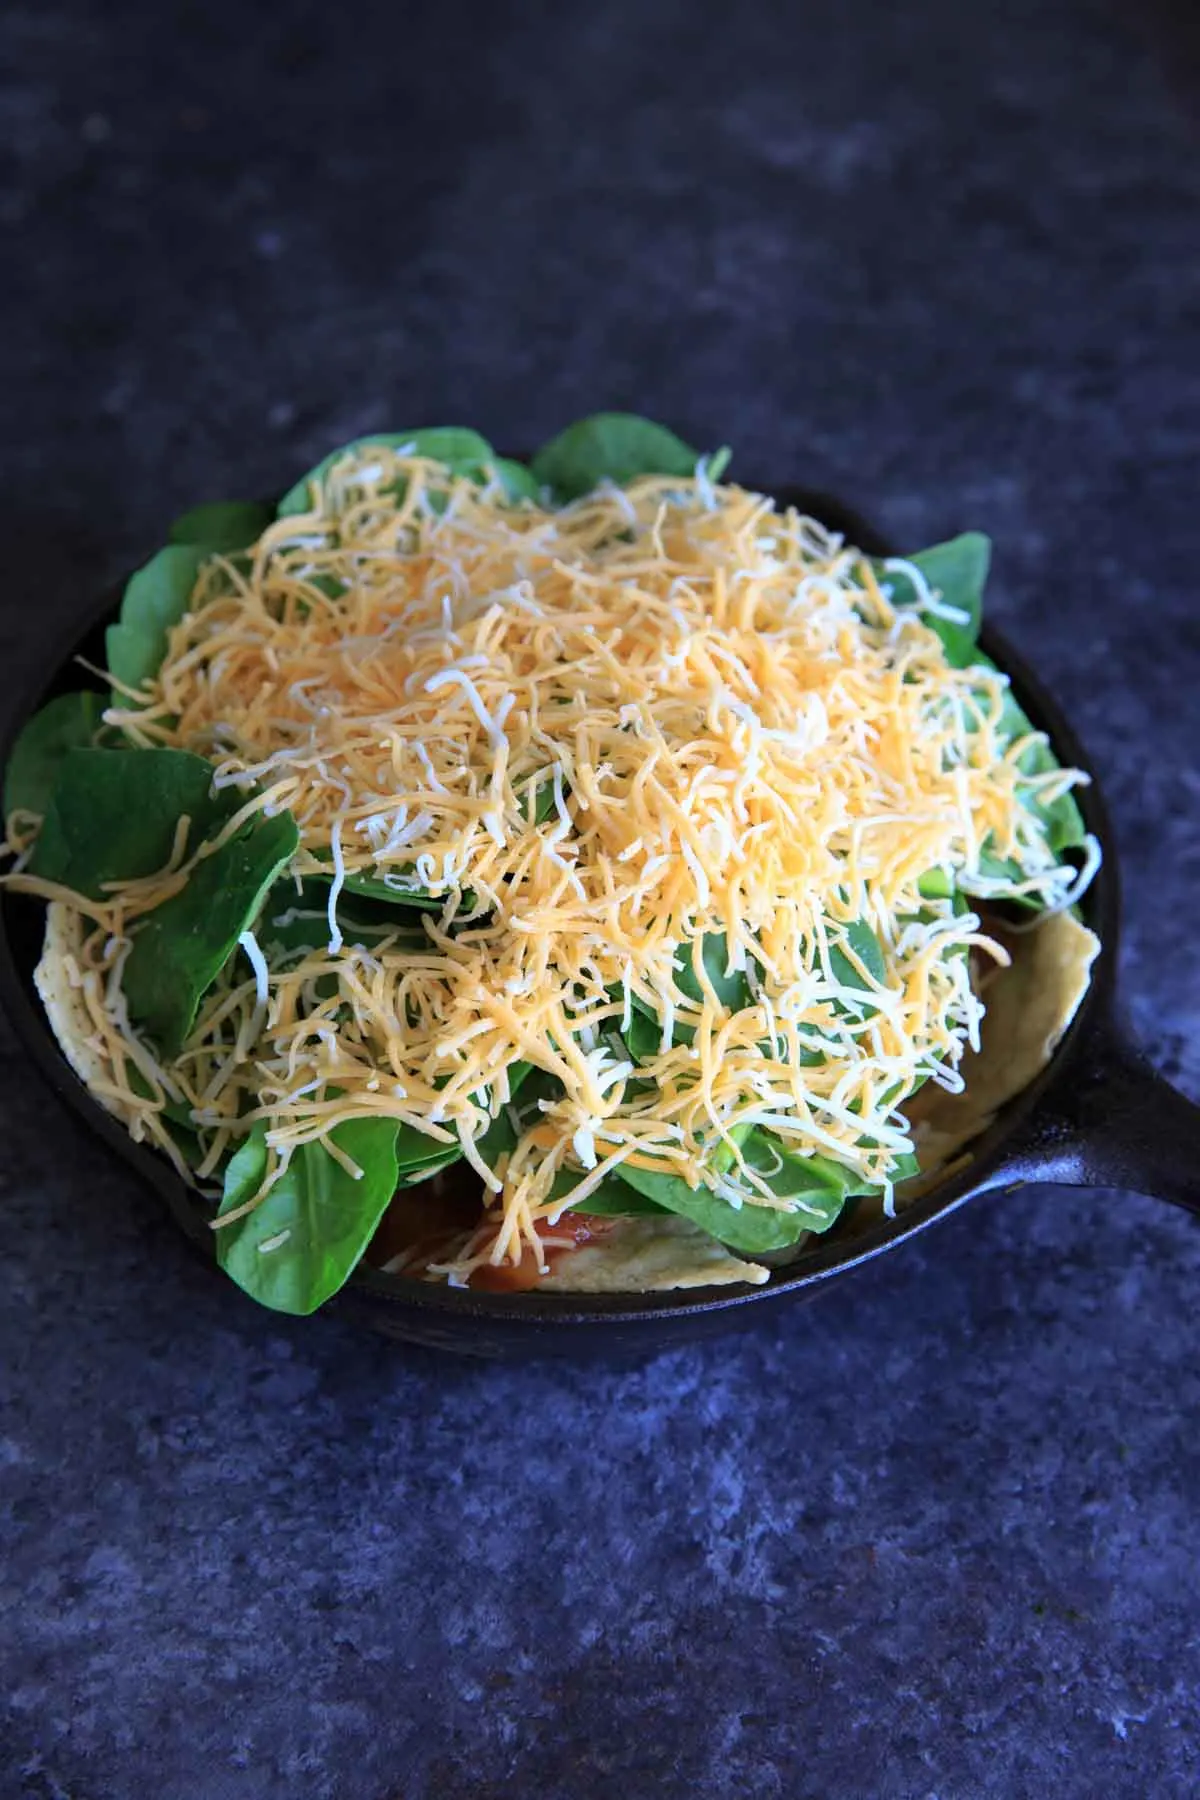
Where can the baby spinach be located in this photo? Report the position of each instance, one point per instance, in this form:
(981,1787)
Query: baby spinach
(958,571)
(462,451)
(293,922)
(518,482)
(182,945)
(303,1241)
(543,798)
(68,722)
(861,941)
(156,598)
(419,1156)
(936,884)
(1061,818)
(112,815)
(174,1115)
(731,988)
(373,887)
(818,1181)
(612,1199)
(642,1037)
(821,1186)
(222,525)
(614,446)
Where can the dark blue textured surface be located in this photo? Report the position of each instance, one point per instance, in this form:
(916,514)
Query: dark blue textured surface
(936,1538)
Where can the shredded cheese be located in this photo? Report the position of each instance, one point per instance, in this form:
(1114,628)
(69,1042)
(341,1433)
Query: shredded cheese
(742,736)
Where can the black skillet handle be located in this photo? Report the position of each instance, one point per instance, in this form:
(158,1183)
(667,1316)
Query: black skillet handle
(1118,1124)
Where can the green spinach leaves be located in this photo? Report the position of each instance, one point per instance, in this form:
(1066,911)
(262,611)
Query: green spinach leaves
(957,572)
(222,525)
(613,446)
(182,946)
(160,593)
(156,599)
(68,722)
(113,816)
(814,1186)
(301,1243)
(460,450)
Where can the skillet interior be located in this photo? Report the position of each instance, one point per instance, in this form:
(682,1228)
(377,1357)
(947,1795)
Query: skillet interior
(522,1324)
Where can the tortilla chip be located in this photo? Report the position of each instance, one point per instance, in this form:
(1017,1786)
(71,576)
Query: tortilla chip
(649,1256)
(56,980)
(1029,1008)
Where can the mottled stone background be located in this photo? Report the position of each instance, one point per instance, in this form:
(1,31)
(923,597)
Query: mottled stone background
(936,1536)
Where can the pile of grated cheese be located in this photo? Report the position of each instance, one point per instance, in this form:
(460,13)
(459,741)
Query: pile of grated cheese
(734,733)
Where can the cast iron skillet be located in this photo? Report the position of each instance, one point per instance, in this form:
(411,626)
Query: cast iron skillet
(1097,1116)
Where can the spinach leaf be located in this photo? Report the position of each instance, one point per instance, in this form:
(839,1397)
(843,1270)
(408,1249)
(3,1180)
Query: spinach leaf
(518,482)
(732,990)
(372,887)
(112,815)
(68,722)
(414,1174)
(156,598)
(294,921)
(904,1167)
(862,942)
(301,1244)
(543,798)
(183,944)
(1061,818)
(820,1186)
(420,1156)
(175,1115)
(936,884)
(818,1181)
(612,1199)
(616,446)
(224,525)
(643,1039)
(1006,868)
(958,569)
(463,452)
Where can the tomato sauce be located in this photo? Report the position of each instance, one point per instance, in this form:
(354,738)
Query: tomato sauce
(426,1224)
(436,1213)
(517,1278)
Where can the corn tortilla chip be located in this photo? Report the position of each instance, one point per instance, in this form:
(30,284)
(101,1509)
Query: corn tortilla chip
(1029,1008)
